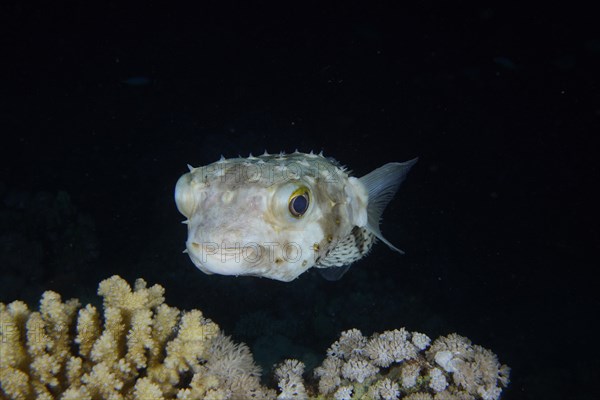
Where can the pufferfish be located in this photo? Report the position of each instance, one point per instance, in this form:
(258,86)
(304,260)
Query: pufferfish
(277,215)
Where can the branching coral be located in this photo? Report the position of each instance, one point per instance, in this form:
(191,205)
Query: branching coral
(289,375)
(474,369)
(395,364)
(140,348)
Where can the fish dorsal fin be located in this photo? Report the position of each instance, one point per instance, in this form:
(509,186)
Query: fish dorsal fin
(381,185)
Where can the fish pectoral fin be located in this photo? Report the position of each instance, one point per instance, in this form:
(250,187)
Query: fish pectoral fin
(333,273)
(381,185)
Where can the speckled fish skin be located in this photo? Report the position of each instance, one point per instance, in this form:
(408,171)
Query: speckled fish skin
(276,216)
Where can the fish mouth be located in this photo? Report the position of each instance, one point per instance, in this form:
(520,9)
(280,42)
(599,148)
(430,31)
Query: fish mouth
(223,258)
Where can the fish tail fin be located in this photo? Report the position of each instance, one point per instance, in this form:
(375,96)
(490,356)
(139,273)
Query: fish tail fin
(382,184)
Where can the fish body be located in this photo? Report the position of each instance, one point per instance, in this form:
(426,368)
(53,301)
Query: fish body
(276,216)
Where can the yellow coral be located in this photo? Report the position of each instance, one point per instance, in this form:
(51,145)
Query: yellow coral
(138,351)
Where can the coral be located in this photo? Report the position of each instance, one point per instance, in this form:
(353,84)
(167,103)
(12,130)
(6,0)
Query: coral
(343,393)
(474,368)
(393,346)
(289,375)
(400,364)
(138,347)
(330,374)
(409,375)
(384,389)
(437,380)
(358,370)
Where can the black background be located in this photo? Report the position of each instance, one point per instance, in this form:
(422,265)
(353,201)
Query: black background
(109,102)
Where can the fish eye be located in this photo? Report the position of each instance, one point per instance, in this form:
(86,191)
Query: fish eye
(299,202)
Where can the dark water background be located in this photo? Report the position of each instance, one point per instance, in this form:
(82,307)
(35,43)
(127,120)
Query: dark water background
(102,107)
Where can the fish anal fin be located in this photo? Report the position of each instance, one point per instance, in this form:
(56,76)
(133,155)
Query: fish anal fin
(333,273)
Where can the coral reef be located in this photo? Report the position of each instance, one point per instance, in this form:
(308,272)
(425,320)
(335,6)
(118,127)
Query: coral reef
(140,348)
(400,364)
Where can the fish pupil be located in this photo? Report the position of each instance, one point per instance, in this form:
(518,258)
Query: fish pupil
(299,205)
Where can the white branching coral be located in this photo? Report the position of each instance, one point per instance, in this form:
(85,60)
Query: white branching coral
(343,393)
(227,358)
(473,368)
(438,381)
(384,389)
(393,346)
(351,342)
(409,374)
(233,366)
(399,362)
(330,374)
(289,376)
(419,396)
(420,340)
(358,370)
